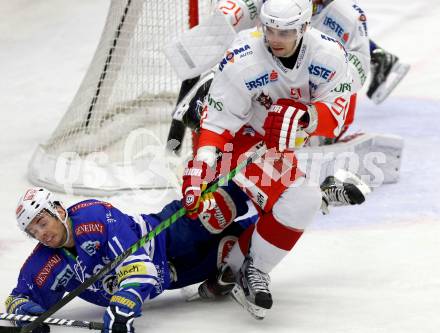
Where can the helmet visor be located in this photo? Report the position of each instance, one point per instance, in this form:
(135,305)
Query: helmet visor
(281,34)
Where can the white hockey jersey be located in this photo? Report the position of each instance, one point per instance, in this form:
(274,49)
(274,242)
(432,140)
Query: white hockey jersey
(346,22)
(342,20)
(249,79)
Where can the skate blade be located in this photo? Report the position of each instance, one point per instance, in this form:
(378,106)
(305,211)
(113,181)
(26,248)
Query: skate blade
(239,296)
(346,176)
(396,75)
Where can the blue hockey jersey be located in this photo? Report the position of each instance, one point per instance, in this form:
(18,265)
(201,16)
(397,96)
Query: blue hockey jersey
(101,232)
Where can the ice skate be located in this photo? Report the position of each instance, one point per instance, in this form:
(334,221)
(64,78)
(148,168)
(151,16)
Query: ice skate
(386,72)
(252,290)
(343,189)
(218,286)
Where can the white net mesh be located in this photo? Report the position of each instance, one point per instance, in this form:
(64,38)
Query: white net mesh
(113,135)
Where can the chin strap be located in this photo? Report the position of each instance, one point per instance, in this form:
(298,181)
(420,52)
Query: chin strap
(64,222)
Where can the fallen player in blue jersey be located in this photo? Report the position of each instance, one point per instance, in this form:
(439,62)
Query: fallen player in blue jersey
(74,243)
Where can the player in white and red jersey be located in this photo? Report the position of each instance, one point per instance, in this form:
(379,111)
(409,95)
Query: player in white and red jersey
(281,84)
(344,20)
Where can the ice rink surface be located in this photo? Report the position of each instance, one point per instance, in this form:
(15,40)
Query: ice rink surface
(372,268)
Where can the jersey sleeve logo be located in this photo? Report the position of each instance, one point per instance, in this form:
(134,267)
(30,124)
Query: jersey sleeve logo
(230,56)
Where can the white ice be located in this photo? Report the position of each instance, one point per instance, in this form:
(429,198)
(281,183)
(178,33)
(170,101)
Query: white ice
(371,268)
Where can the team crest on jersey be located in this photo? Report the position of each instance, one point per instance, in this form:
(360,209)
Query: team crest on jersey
(265,100)
(90,247)
(230,55)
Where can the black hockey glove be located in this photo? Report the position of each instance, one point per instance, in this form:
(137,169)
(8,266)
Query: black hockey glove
(123,308)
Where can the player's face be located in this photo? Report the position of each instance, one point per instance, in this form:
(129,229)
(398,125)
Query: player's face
(281,42)
(47,229)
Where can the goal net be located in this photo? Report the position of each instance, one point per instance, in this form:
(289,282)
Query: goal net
(113,135)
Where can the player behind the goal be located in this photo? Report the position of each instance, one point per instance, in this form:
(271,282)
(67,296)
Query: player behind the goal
(343,20)
(283,86)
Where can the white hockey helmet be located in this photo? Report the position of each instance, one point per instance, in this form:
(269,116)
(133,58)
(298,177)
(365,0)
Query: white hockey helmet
(287,14)
(32,203)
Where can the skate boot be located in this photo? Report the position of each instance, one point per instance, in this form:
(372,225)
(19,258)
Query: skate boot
(342,189)
(386,73)
(219,286)
(252,290)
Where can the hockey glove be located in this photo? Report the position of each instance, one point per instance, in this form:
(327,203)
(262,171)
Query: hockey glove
(123,308)
(288,125)
(23,306)
(196,177)
(216,211)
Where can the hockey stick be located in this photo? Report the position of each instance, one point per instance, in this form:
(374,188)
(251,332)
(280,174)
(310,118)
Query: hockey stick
(50,321)
(177,129)
(261,149)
